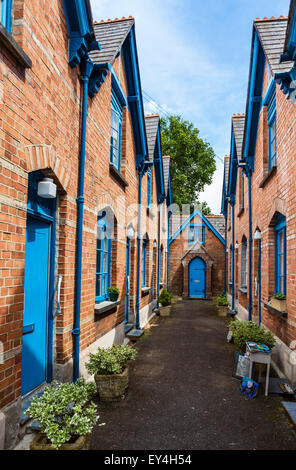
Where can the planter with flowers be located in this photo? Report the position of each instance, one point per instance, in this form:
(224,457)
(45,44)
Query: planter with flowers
(222,305)
(113,293)
(111,372)
(279,302)
(66,416)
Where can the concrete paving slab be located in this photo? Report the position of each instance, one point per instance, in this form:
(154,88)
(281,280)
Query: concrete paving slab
(182,394)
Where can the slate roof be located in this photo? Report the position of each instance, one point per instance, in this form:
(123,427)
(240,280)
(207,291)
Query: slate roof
(238,122)
(218,222)
(111,35)
(166,172)
(151,124)
(272,35)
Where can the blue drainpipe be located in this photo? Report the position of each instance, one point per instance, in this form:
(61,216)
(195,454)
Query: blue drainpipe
(141,172)
(86,69)
(250,244)
(232,260)
(225,257)
(259,281)
(159,253)
(169,215)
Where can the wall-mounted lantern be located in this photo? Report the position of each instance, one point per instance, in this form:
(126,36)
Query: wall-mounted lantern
(257,235)
(236,246)
(47,188)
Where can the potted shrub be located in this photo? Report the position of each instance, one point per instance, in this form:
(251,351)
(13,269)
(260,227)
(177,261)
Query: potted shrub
(111,372)
(278,302)
(222,305)
(113,293)
(66,416)
(165,299)
(245,331)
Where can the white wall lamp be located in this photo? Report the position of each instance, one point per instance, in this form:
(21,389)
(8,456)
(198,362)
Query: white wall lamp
(257,235)
(47,188)
(236,246)
(130,232)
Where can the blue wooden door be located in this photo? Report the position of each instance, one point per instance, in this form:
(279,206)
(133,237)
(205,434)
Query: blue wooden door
(197,278)
(36,304)
(127,279)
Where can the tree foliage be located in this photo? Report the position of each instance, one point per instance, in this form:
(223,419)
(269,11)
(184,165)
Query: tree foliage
(192,159)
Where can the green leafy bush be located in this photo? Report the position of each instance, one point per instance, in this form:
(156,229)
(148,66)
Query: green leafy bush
(165,298)
(64,411)
(111,360)
(113,290)
(279,296)
(245,331)
(222,301)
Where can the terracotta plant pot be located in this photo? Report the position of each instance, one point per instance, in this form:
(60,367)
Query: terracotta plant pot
(40,442)
(112,387)
(222,311)
(280,305)
(165,311)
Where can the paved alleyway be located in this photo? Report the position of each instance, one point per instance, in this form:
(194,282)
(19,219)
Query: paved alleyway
(182,394)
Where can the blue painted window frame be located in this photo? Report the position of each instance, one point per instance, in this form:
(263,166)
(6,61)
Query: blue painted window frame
(116,127)
(281,257)
(244,264)
(149,188)
(6,11)
(144,261)
(271,116)
(196,230)
(103,271)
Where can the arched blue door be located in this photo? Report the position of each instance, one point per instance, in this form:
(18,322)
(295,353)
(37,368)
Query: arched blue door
(197,278)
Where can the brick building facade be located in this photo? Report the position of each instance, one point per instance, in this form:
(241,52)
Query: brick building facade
(72,111)
(196,255)
(259,193)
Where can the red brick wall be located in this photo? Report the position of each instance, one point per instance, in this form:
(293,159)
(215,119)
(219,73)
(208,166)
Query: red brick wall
(277,196)
(40,129)
(213,256)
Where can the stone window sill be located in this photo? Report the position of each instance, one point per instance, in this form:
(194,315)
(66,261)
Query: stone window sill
(276,312)
(145,290)
(267,177)
(105,307)
(114,172)
(7,40)
(243,290)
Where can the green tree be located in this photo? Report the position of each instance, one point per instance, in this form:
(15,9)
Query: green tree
(192,159)
(205,209)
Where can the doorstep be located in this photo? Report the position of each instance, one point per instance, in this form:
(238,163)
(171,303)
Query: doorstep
(135,334)
(128,327)
(26,403)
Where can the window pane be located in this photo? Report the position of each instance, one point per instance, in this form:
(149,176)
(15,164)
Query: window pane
(104,284)
(282,285)
(98,286)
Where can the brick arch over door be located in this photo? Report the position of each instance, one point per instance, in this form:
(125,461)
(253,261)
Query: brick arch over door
(41,157)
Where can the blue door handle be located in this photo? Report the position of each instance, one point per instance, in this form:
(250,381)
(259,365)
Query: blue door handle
(28,329)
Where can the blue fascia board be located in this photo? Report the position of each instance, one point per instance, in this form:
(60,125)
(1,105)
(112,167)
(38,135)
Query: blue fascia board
(254,100)
(206,222)
(80,30)
(231,191)
(135,92)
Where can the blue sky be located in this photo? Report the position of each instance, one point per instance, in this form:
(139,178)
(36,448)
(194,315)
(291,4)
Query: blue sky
(194,60)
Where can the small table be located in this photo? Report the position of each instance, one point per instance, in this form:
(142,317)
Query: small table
(260,358)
